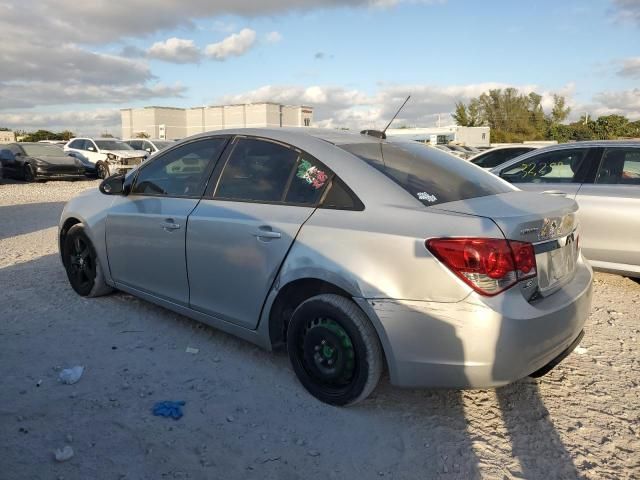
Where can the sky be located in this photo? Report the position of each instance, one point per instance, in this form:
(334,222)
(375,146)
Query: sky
(73,65)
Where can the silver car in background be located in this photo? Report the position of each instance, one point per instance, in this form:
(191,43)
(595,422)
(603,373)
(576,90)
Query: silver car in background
(353,251)
(604,178)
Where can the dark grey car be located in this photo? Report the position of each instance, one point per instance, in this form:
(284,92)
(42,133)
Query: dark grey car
(604,178)
(35,161)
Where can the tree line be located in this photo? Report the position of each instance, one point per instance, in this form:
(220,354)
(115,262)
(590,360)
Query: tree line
(516,117)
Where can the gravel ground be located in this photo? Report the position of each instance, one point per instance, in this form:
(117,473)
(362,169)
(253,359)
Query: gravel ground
(246,416)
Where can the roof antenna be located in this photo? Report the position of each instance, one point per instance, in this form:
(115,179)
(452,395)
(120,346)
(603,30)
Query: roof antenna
(382,134)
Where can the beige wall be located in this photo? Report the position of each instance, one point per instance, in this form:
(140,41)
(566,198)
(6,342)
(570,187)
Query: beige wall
(180,122)
(7,137)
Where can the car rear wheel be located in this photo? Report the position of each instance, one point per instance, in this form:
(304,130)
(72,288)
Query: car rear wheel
(82,264)
(29,173)
(334,350)
(103,170)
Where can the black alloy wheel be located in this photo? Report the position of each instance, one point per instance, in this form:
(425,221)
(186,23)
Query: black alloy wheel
(80,262)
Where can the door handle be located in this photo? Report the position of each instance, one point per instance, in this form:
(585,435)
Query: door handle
(169,225)
(555,192)
(266,232)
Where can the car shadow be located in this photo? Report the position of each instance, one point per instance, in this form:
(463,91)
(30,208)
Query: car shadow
(28,218)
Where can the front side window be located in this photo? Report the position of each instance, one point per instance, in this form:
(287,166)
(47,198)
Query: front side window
(620,166)
(135,144)
(181,172)
(257,170)
(498,157)
(560,166)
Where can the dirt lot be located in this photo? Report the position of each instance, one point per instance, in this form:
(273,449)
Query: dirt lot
(246,416)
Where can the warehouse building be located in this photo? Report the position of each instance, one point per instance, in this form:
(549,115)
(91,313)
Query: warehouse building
(174,123)
(7,136)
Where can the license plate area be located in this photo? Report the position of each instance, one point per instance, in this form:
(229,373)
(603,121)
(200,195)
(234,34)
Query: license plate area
(556,261)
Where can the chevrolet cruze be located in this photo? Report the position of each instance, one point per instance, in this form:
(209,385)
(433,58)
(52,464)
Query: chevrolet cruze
(357,253)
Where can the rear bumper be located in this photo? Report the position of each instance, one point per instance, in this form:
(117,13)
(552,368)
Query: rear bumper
(479,342)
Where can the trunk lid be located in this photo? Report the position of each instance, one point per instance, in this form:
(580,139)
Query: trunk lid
(548,222)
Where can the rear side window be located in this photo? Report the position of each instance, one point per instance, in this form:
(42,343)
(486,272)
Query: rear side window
(560,166)
(431,176)
(308,182)
(79,144)
(498,157)
(257,171)
(620,166)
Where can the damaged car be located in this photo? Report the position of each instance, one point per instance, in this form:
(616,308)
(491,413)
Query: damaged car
(106,156)
(356,253)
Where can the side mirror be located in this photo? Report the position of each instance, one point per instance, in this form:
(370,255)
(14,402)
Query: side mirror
(149,149)
(114,185)
(91,149)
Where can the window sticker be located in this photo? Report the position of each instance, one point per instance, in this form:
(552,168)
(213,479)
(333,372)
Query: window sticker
(312,175)
(427,196)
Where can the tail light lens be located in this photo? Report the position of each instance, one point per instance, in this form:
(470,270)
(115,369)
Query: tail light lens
(488,265)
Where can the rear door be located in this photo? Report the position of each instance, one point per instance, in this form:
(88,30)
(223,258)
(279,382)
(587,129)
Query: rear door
(241,231)
(558,172)
(610,209)
(146,229)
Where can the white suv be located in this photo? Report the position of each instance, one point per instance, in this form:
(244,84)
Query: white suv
(149,145)
(106,155)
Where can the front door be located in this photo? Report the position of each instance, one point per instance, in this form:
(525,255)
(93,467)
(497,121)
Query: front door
(146,229)
(240,233)
(558,172)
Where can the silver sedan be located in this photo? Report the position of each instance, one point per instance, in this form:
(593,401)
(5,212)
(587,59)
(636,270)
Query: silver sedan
(604,179)
(354,252)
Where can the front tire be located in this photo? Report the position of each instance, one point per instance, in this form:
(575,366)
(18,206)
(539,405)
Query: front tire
(102,170)
(334,350)
(29,173)
(82,264)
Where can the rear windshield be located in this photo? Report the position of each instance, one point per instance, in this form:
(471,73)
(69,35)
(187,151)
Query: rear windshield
(429,175)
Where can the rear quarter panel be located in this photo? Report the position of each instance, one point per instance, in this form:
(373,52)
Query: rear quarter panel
(381,253)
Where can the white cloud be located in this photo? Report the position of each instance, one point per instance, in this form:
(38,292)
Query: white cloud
(627,11)
(630,67)
(622,102)
(273,37)
(336,106)
(80,122)
(175,50)
(234,45)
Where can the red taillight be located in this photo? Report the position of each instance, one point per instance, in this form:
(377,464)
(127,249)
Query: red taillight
(489,265)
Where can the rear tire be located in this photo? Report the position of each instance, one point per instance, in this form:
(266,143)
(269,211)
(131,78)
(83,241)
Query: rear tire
(334,350)
(82,264)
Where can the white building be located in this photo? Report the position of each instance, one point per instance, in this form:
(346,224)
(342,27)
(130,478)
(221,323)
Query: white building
(174,123)
(470,136)
(7,136)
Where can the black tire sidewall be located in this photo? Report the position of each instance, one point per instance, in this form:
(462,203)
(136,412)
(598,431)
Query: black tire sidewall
(315,308)
(102,170)
(78,231)
(29,173)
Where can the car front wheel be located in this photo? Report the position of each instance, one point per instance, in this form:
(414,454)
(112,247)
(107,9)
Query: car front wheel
(103,170)
(29,173)
(82,264)
(334,350)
